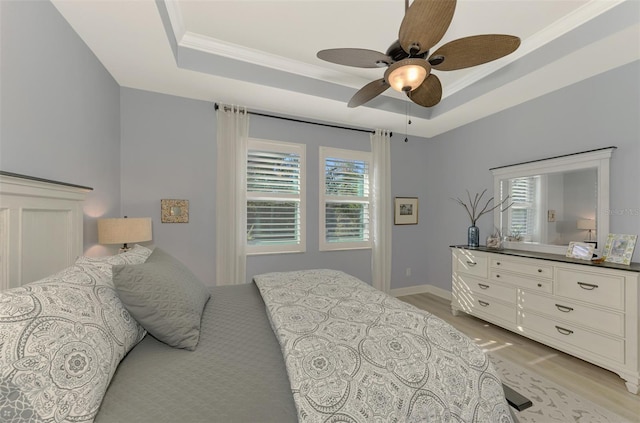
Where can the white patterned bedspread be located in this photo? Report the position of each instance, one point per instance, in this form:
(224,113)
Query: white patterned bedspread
(355,354)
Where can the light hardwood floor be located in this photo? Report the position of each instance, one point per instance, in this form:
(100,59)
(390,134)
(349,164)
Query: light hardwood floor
(601,386)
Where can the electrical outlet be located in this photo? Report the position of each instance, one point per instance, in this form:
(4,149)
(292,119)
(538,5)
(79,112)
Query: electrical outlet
(408,271)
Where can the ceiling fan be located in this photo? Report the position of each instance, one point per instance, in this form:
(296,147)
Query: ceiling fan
(408,68)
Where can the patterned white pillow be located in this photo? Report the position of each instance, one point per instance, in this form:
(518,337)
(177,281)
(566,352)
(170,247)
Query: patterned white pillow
(61,339)
(137,255)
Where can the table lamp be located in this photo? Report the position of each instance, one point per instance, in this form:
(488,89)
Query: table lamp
(124,230)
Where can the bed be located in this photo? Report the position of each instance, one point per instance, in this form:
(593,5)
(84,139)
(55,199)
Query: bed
(136,337)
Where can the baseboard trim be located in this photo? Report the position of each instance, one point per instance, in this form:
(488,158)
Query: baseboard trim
(421,289)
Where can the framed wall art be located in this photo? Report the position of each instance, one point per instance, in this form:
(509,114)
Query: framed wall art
(619,248)
(406,211)
(174,211)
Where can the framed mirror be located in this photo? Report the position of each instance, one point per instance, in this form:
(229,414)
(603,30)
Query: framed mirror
(556,201)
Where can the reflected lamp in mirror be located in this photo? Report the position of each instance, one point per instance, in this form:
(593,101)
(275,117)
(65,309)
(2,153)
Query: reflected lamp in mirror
(587,225)
(124,231)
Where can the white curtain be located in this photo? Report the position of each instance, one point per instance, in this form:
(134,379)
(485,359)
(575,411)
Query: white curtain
(231,207)
(382,210)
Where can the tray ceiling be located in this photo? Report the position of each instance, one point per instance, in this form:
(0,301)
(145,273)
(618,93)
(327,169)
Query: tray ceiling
(262,54)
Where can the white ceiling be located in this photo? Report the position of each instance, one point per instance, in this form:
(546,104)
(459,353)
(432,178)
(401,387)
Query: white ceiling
(262,53)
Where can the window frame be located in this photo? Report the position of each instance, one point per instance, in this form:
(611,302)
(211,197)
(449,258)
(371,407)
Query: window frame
(301,198)
(339,153)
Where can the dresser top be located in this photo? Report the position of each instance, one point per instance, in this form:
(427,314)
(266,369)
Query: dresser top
(633,267)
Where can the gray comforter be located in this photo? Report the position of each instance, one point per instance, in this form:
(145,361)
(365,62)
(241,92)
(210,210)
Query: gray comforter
(235,375)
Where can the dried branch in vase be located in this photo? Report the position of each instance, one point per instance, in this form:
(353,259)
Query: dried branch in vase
(473,208)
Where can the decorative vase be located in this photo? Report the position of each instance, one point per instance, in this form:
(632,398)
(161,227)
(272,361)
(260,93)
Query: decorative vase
(473,236)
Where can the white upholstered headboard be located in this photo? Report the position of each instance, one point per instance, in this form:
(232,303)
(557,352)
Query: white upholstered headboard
(40,227)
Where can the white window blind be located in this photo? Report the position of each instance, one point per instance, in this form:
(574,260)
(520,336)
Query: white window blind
(344,199)
(522,213)
(275,197)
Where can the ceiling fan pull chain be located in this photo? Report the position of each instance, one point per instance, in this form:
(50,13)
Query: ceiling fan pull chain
(408,119)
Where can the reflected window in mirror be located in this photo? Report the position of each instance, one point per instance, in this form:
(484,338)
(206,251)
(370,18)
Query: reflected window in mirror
(522,217)
(552,199)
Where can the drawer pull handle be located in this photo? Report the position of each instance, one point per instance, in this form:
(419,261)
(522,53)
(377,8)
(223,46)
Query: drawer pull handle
(471,263)
(539,285)
(563,309)
(564,331)
(483,303)
(483,286)
(497,276)
(587,286)
(539,270)
(497,263)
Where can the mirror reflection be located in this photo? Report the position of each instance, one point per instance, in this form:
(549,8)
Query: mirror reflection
(556,201)
(555,208)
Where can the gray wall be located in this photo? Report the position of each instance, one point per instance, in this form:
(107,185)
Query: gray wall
(168,151)
(59,109)
(598,112)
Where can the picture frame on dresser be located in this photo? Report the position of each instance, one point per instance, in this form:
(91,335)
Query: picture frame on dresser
(619,248)
(580,250)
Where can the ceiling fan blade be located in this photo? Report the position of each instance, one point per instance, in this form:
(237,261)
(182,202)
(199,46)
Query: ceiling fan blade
(356,57)
(369,91)
(425,23)
(472,51)
(429,93)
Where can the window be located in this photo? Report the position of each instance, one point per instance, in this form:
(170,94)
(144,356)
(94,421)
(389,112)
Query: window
(523,219)
(344,199)
(275,197)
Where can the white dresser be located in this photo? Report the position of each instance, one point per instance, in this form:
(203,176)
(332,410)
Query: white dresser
(584,309)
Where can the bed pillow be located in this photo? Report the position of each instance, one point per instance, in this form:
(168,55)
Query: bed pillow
(136,255)
(61,340)
(164,297)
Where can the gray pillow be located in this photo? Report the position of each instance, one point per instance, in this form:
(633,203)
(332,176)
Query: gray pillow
(164,297)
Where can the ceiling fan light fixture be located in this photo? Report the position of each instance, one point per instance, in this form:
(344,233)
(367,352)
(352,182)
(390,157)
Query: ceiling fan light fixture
(407,75)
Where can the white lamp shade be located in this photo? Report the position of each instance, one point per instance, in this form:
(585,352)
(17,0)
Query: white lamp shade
(124,230)
(407,74)
(587,224)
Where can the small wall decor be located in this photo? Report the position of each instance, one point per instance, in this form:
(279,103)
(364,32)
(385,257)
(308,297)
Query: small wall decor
(580,250)
(174,211)
(619,248)
(406,211)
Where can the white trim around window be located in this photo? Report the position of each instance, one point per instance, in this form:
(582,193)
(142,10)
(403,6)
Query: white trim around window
(345,199)
(276,197)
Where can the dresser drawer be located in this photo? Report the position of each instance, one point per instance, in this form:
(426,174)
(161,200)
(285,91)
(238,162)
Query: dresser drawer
(541,285)
(605,321)
(487,307)
(472,264)
(592,287)
(526,268)
(589,342)
(470,287)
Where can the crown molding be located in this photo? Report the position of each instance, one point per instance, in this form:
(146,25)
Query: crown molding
(564,25)
(217,47)
(176,19)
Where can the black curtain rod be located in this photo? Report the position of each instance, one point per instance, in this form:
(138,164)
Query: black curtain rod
(217,106)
